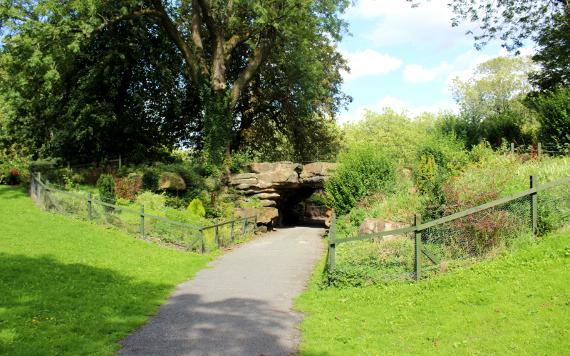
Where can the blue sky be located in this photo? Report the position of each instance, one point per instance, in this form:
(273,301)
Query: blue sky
(405,58)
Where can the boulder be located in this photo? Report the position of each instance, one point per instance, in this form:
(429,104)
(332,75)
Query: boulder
(271,196)
(266,167)
(268,203)
(316,173)
(267,215)
(171,181)
(371,226)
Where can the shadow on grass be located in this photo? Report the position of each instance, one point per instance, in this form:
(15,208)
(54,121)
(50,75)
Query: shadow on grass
(12,191)
(48,307)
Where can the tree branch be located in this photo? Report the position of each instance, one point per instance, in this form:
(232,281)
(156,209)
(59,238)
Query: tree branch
(176,36)
(253,64)
(196,25)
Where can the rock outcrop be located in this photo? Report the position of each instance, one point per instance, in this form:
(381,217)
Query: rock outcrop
(272,183)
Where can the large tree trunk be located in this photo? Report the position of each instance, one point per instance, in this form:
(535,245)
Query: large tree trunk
(218,122)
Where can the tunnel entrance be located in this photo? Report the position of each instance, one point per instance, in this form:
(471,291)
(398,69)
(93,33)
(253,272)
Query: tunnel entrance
(296,208)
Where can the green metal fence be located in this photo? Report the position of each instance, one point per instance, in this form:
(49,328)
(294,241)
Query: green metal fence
(464,233)
(139,223)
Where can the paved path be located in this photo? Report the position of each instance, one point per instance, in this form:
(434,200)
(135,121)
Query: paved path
(240,306)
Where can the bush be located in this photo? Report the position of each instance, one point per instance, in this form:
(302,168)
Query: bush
(152,201)
(360,172)
(14,177)
(106,187)
(196,208)
(128,188)
(554,115)
(150,180)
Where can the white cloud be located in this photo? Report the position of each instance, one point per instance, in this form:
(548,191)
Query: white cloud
(370,63)
(398,23)
(417,73)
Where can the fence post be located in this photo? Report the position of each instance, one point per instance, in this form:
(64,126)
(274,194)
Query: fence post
(244,228)
(90,206)
(216,236)
(332,243)
(512,148)
(232,232)
(418,248)
(202,244)
(120,162)
(142,221)
(533,208)
(539,149)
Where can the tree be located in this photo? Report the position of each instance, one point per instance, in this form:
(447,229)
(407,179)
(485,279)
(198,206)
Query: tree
(553,54)
(492,102)
(553,110)
(511,21)
(225,44)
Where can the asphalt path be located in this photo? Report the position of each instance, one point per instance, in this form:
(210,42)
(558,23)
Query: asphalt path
(242,305)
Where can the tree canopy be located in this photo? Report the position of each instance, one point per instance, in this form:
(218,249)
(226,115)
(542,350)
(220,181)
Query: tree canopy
(104,76)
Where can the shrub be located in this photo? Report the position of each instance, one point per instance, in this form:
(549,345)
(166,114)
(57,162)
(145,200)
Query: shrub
(360,172)
(106,187)
(128,188)
(554,115)
(14,177)
(150,180)
(152,201)
(196,208)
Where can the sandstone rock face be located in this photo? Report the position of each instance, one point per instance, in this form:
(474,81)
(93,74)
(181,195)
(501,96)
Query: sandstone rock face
(271,183)
(371,226)
(316,173)
(171,181)
(265,215)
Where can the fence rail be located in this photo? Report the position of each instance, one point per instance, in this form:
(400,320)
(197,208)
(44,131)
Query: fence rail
(138,222)
(525,203)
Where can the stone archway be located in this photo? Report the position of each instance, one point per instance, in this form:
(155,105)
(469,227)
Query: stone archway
(282,188)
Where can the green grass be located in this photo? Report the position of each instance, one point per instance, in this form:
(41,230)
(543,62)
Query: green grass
(516,304)
(72,288)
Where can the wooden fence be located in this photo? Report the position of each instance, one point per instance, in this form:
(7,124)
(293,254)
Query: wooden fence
(417,229)
(138,222)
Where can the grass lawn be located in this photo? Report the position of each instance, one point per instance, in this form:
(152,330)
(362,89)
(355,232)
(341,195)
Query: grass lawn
(73,288)
(515,304)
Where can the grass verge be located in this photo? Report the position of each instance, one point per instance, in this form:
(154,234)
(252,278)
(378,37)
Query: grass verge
(73,288)
(516,304)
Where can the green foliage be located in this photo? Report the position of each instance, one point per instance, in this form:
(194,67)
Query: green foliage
(14,166)
(196,208)
(97,78)
(151,201)
(395,134)
(59,271)
(511,21)
(360,171)
(492,104)
(106,187)
(553,54)
(150,180)
(554,115)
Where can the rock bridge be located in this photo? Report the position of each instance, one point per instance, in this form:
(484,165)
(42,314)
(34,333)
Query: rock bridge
(283,190)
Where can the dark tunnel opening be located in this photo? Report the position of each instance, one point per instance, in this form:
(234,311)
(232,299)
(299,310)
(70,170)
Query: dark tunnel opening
(295,209)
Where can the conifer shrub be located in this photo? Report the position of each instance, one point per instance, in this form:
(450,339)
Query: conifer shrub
(106,187)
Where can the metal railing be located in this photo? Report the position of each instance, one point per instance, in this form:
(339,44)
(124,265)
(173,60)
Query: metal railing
(510,214)
(141,223)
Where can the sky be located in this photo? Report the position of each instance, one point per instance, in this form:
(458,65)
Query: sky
(405,58)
